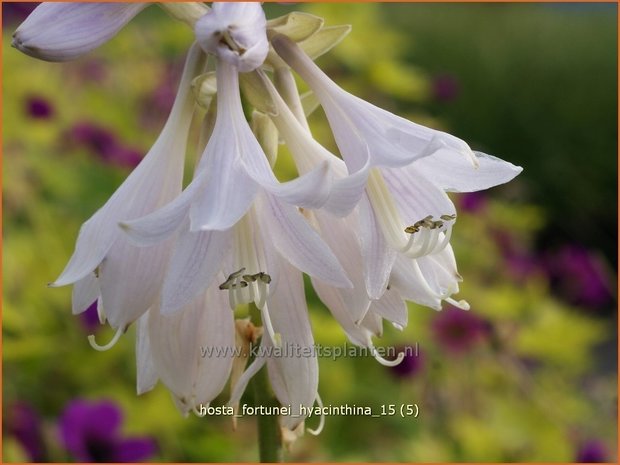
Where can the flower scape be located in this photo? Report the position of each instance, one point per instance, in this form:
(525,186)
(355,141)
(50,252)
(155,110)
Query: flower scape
(188,265)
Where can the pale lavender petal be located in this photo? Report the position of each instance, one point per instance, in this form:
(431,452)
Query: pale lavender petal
(64,31)
(416,196)
(455,173)
(378,256)
(228,190)
(85,292)
(407,282)
(301,245)
(145,372)
(299,375)
(130,280)
(195,261)
(341,311)
(341,237)
(392,307)
(373,323)
(179,341)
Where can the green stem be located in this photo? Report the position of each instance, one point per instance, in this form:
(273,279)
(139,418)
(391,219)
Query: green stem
(269,433)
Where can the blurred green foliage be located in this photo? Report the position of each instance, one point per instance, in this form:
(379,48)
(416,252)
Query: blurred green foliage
(536,87)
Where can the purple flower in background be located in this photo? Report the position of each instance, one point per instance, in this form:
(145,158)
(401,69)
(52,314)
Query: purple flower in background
(104,144)
(592,452)
(90,432)
(472,202)
(38,107)
(458,331)
(519,261)
(580,276)
(445,87)
(21,421)
(157,104)
(90,318)
(412,364)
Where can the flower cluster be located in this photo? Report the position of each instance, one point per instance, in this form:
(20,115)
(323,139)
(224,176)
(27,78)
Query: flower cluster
(371,226)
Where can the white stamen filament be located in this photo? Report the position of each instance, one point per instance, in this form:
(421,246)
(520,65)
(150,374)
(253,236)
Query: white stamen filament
(275,337)
(256,282)
(426,241)
(109,345)
(317,431)
(385,362)
(100,312)
(462,304)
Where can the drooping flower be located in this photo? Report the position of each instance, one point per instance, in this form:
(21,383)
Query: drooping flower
(105,264)
(90,433)
(406,218)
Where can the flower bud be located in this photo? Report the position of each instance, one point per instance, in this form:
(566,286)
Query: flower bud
(236,33)
(64,31)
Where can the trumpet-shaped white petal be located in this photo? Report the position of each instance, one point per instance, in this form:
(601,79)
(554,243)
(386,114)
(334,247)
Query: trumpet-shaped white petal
(193,349)
(129,277)
(296,378)
(64,31)
(295,239)
(196,260)
(236,33)
(85,292)
(453,173)
(146,374)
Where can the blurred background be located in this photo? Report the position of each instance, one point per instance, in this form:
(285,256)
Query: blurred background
(529,374)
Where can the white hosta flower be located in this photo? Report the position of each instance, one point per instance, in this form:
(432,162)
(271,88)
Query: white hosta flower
(359,316)
(105,263)
(177,347)
(263,254)
(64,31)
(236,33)
(405,209)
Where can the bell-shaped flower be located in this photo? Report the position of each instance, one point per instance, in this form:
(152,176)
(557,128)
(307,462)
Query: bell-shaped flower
(262,255)
(236,33)
(395,246)
(58,31)
(191,352)
(105,262)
